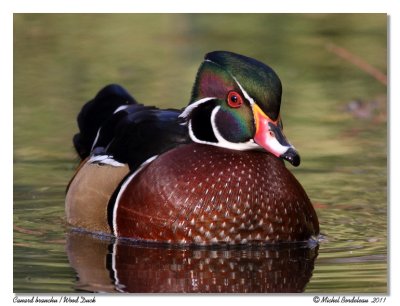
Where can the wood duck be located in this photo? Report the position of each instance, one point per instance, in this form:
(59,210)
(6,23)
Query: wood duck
(210,173)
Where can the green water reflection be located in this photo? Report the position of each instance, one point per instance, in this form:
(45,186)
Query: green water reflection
(333,112)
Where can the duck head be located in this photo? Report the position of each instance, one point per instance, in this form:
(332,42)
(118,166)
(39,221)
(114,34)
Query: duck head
(235,104)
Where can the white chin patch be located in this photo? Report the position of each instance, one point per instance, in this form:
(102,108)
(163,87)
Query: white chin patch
(222,142)
(192,106)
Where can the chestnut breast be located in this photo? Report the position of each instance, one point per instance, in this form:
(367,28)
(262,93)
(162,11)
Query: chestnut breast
(204,195)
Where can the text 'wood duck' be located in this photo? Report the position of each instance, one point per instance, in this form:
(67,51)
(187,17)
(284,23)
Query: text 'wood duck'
(210,173)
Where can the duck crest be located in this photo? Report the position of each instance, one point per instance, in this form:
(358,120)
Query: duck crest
(249,73)
(210,173)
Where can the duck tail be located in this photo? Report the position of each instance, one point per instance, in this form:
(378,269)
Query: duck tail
(95,113)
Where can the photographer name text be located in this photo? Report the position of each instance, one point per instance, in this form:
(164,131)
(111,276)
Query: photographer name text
(349,300)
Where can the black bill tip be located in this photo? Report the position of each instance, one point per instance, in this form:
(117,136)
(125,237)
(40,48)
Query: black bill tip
(292,157)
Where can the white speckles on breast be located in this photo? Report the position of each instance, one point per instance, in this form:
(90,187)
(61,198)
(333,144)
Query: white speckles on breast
(234,201)
(214,240)
(270,229)
(198,239)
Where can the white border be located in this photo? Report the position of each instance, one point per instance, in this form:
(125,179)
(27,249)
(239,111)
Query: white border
(8,7)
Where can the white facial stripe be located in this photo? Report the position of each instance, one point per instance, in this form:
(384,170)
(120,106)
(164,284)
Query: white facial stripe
(246,95)
(122,189)
(222,142)
(192,106)
(250,99)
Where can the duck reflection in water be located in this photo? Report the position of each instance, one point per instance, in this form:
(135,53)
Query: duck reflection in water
(108,265)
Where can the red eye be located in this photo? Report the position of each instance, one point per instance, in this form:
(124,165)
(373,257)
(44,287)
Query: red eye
(234,99)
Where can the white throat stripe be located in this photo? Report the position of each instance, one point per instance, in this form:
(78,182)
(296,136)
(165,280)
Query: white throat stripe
(122,189)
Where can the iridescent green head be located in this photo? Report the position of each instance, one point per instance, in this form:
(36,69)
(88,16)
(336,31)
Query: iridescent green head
(235,104)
